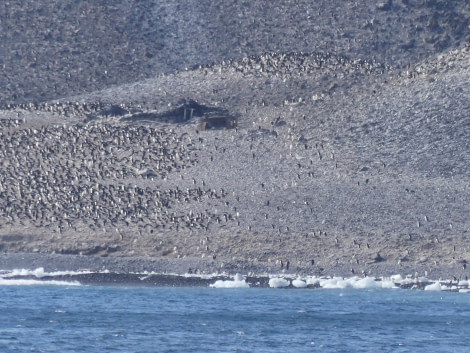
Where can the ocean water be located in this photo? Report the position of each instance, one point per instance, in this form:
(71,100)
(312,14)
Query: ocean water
(49,317)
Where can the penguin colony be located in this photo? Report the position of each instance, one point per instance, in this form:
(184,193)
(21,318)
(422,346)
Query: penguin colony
(255,192)
(298,63)
(307,172)
(67,177)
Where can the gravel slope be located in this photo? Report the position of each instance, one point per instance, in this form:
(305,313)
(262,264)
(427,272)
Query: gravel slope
(350,153)
(59,48)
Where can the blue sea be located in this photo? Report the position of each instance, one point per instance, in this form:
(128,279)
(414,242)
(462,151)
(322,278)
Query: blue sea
(68,318)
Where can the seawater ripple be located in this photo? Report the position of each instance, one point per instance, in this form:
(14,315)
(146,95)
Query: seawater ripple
(161,319)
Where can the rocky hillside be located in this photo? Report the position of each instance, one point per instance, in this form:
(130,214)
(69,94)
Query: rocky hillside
(350,147)
(58,48)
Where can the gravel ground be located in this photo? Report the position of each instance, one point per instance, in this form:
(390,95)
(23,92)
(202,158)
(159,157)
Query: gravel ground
(350,153)
(58,48)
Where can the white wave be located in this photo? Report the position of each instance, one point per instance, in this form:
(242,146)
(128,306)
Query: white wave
(238,282)
(34,282)
(279,283)
(388,283)
(40,273)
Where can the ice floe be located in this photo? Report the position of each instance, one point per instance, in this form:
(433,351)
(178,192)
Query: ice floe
(278,282)
(299,283)
(436,286)
(392,282)
(238,282)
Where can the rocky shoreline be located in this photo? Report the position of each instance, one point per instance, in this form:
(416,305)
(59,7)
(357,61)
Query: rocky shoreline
(164,272)
(281,280)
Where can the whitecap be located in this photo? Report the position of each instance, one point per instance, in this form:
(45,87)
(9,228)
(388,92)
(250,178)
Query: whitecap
(388,284)
(40,273)
(34,282)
